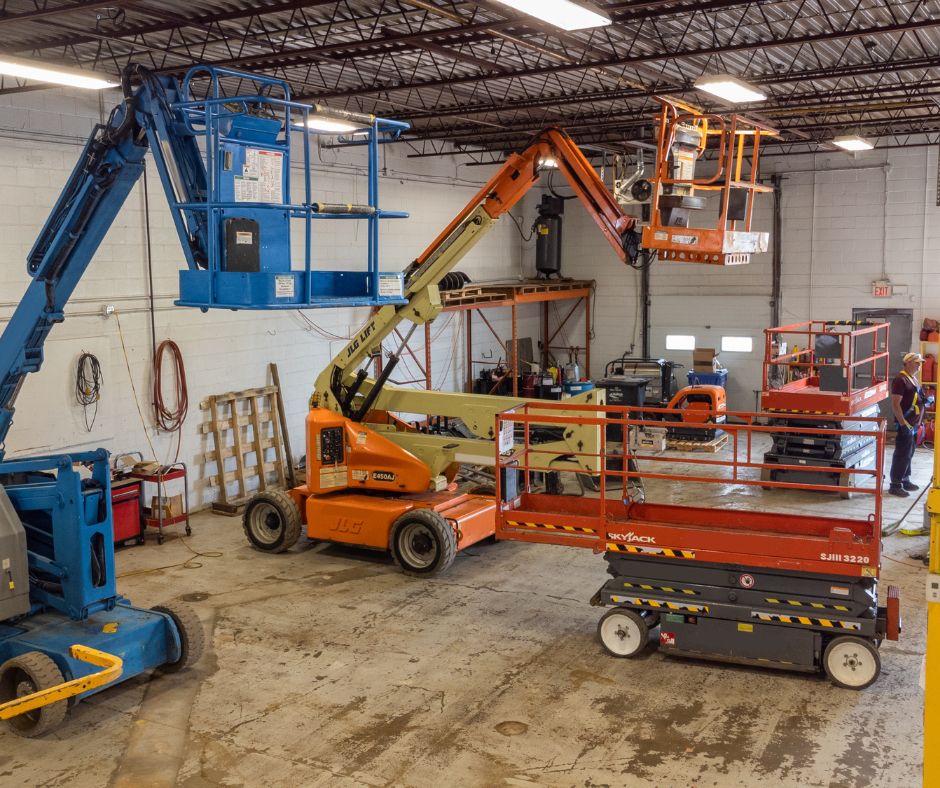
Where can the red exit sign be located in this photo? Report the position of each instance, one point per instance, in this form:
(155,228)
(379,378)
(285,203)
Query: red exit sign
(881,289)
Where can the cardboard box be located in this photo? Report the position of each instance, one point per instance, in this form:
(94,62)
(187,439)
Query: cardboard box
(703,359)
(146,468)
(170,506)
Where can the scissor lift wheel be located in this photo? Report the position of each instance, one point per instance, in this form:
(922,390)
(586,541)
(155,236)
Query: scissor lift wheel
(623,632)
(23,675)
(272,521)
(851,662)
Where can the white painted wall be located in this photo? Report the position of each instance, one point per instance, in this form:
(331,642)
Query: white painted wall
(41,134)
(842,229)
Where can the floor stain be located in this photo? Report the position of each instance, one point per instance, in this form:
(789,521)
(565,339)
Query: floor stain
(511,728)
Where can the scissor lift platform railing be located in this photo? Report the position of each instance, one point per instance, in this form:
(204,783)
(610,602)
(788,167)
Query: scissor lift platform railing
(715,533)
(864,372)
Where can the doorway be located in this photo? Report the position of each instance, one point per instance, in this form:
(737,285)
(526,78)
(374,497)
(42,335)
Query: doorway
(899,342)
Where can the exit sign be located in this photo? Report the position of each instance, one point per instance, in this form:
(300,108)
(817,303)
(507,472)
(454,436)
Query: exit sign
(881,289)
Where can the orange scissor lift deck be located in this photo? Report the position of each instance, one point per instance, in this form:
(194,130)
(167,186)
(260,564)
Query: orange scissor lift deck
(722,582)
(841,369)
(834,371)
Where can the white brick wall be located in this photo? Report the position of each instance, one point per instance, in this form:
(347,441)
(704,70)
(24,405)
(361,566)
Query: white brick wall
(41,135)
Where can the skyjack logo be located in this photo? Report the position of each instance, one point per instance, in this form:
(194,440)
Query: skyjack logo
(632,537)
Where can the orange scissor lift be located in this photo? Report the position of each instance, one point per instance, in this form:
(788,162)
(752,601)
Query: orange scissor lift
(721,582)
(834,372)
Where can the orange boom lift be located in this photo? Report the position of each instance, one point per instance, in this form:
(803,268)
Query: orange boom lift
(376,482)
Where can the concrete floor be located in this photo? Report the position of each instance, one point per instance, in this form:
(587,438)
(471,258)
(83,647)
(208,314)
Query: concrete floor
(329,667)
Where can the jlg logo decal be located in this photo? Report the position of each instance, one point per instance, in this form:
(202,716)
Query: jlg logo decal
(632,537)
(363,336)
(346,526)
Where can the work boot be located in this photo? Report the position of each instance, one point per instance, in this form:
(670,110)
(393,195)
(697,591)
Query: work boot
(900,492)
(910,486)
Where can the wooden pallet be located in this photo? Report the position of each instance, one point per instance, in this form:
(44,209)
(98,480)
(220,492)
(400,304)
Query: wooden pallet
(247,445)
(462,298)
(714,445)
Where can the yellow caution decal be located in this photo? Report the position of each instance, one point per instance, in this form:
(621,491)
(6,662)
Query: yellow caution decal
(551,527)
(662,552)
(806,621)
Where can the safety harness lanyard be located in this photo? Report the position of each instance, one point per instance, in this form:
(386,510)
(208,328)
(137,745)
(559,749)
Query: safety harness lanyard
(915,403)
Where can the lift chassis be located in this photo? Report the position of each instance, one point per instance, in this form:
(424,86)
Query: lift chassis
(798,592)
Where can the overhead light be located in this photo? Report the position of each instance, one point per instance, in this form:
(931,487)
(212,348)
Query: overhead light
(58,75)
(549,163)
(328,125)
(729,88)
(566,14)
(852,142)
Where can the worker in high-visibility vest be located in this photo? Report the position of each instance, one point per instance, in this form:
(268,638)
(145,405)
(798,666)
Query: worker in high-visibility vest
(908,403)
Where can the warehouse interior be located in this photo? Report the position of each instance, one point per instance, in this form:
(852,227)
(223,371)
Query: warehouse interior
(333,332)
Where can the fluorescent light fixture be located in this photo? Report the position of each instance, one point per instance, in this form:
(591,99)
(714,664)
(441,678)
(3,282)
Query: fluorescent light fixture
(328,125)
(852,142)
(549,164)
(566,14)
(57,75)
(729,88)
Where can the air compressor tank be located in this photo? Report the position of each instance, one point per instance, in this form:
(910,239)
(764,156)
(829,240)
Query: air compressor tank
(548,236)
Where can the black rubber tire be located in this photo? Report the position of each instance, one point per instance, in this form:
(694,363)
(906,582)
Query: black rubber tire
(627,640)
(272,521)
(38,670)
(871,670)
(423,531)
(191,632)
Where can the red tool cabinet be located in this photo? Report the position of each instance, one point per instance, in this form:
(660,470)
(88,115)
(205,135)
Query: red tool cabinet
(126,511)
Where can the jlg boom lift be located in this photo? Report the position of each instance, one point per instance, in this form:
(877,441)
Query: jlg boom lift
(224,163)
(373,482)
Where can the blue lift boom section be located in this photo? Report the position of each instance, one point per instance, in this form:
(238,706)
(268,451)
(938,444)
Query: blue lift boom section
(224,162)
(225,165)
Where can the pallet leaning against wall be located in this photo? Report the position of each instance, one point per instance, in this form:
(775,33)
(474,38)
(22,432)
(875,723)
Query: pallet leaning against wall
(243,426)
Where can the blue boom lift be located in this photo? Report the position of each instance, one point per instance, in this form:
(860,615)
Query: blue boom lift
(224,160)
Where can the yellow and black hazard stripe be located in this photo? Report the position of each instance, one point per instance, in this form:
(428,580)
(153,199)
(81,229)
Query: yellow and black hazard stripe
(669,590)
(805,412)
(663,552)
(660,604)
(796,603)
(806,621)
(551,527)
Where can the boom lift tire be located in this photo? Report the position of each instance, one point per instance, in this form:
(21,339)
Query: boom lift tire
(191,632)
(192,635)
(423,543)
(23,675)
(623,632)
(272,521)
(851,662)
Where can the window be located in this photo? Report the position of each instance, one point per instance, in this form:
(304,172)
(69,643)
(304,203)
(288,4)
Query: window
(680,342)
(737,344)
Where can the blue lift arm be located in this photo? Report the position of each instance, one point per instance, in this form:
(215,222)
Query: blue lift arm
(212,155)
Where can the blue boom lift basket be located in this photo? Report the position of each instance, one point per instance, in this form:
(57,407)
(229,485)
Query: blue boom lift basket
(249,143)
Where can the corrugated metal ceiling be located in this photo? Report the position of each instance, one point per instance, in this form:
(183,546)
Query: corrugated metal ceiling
(479,76)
